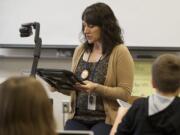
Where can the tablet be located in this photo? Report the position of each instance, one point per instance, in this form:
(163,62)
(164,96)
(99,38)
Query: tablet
(59,78)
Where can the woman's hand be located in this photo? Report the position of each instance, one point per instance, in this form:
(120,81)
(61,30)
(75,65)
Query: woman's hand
(88,86)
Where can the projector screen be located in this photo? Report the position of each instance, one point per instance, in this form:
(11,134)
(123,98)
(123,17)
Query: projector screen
(146,23)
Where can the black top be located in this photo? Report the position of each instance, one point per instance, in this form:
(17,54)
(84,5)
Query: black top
(97,71)
(137,121)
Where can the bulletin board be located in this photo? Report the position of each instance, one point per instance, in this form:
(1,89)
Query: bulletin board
(142,78)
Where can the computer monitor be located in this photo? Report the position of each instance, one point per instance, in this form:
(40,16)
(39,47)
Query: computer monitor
(75,132)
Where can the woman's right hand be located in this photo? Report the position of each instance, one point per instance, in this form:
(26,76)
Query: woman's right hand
(87,87)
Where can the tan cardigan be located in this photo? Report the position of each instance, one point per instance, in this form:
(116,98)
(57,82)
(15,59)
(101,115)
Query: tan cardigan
(118,83)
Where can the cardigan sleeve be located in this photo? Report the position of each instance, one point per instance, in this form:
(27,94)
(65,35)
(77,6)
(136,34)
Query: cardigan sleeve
(74,58)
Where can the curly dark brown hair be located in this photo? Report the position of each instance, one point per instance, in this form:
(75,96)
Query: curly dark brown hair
(100,14)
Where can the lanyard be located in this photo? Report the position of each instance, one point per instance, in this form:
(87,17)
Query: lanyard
(91,77)
(86,73)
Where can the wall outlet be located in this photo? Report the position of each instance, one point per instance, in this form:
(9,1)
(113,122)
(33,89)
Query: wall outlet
(65,106)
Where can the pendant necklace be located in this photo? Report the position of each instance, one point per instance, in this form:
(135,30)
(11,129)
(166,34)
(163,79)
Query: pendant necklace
(85,72)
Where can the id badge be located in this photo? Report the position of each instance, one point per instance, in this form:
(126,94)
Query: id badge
(91,102)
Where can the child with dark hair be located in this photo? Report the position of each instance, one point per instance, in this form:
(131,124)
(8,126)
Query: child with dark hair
(158,114)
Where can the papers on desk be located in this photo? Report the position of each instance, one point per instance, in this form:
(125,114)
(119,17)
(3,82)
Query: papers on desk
(123,103)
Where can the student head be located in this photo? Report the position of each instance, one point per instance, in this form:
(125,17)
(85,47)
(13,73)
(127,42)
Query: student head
(100,16)
(25,108)
(166,73)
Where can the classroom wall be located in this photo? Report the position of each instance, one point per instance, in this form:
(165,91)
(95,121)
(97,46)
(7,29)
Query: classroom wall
(144,22)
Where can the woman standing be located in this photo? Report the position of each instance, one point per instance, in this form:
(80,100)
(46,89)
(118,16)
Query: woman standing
(106,67)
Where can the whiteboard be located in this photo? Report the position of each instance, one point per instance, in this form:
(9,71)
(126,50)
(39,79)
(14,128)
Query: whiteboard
(154,23)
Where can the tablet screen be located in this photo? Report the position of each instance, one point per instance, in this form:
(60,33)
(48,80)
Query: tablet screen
(59,78)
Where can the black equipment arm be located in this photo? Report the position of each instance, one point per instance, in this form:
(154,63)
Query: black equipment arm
(26,31)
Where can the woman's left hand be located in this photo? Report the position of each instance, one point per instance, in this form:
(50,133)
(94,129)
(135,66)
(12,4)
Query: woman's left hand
(88,86)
